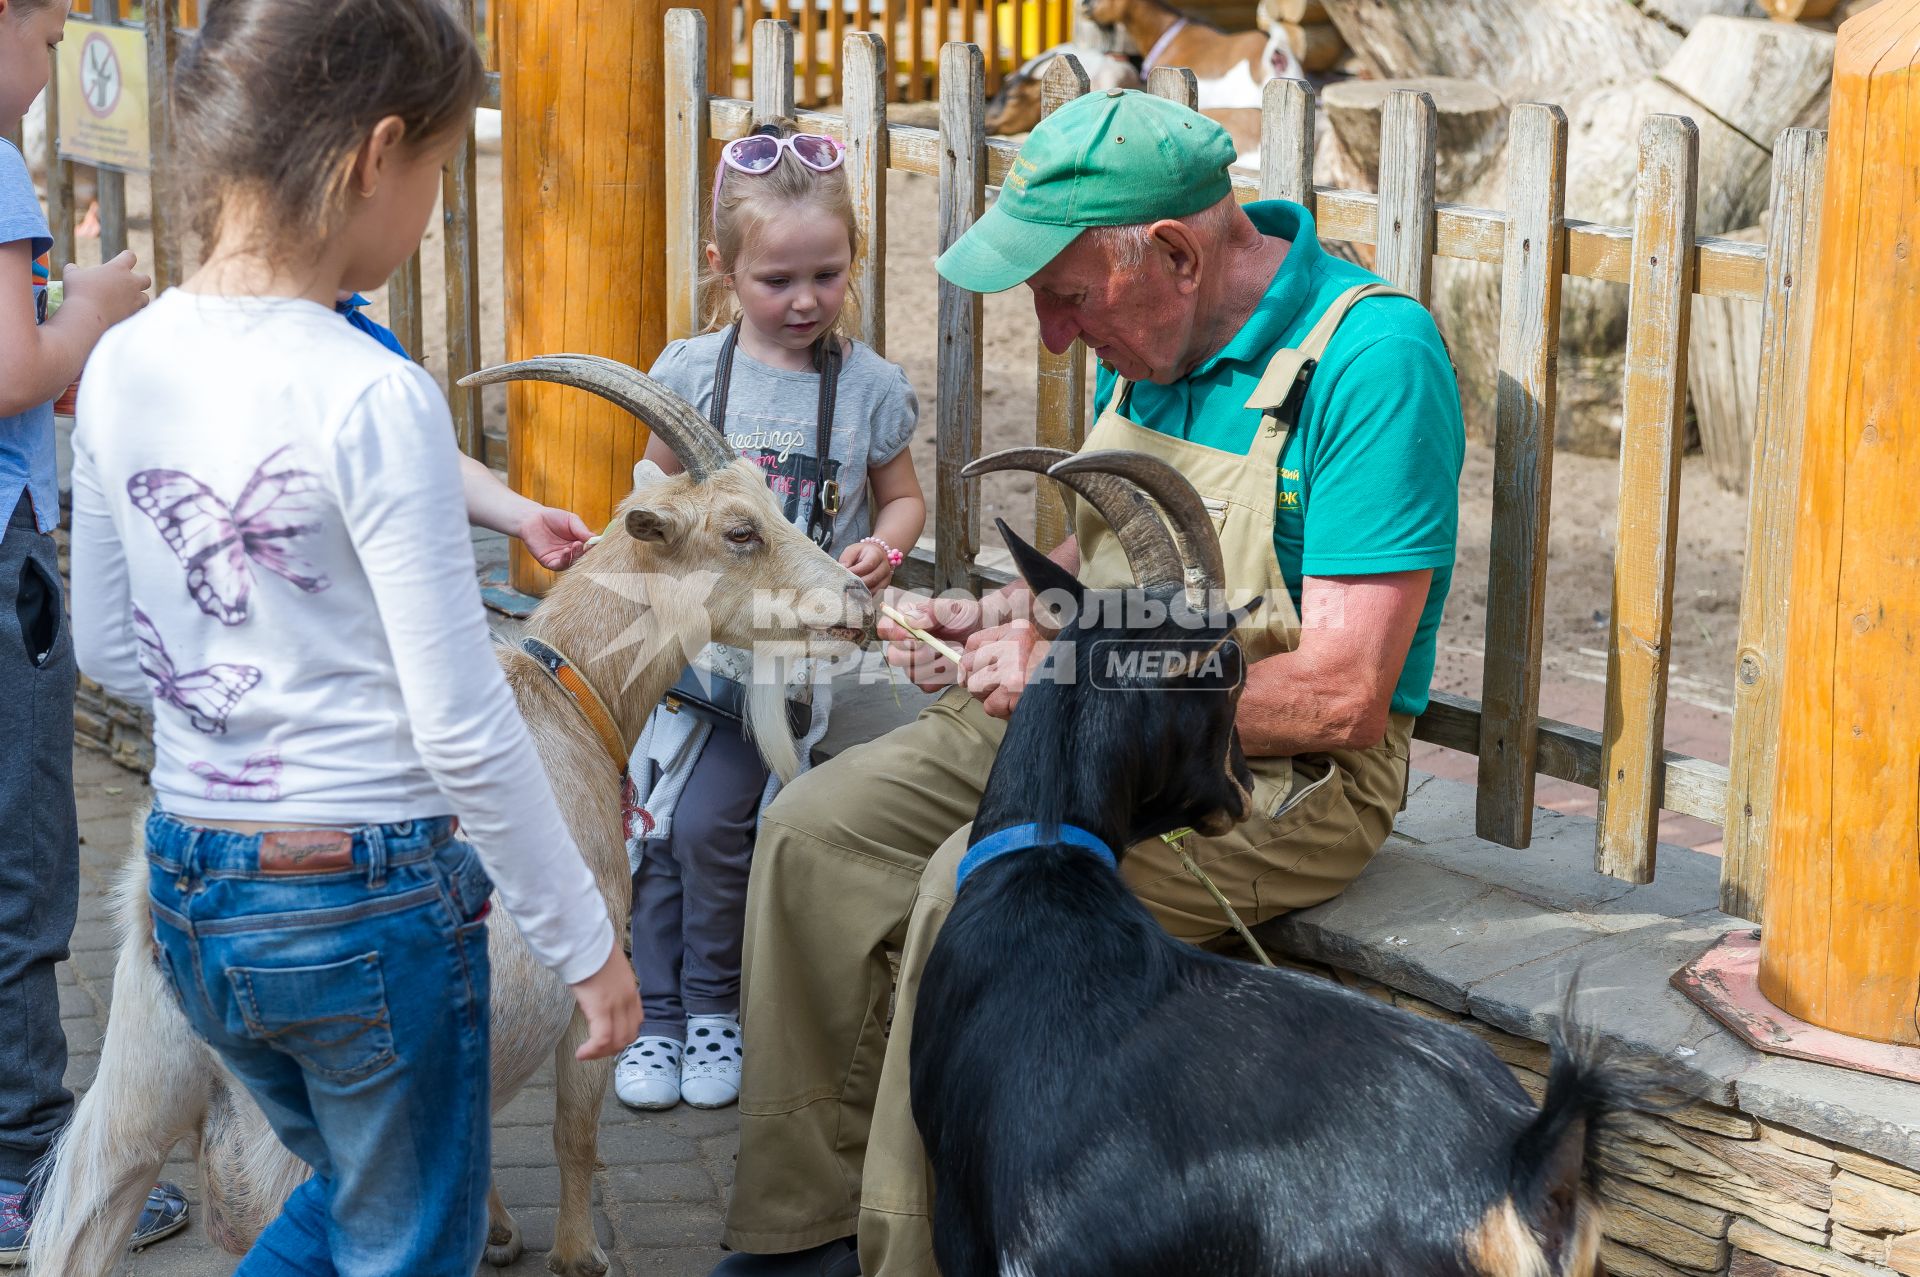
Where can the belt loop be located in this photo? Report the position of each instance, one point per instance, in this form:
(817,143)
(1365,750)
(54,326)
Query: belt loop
(189,860)
(376,857)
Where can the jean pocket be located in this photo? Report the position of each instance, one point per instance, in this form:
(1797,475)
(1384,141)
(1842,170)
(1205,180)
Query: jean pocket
(39,607)
(333,1019)
(465,879)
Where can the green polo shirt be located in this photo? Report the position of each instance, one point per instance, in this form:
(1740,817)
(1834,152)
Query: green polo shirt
(1369,480)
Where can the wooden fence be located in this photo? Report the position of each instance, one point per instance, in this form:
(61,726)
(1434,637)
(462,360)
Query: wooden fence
(1014,31)
(1660,260)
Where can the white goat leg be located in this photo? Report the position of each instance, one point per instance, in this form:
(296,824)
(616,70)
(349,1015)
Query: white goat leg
(150,1092)
(503,1235)
(579,1086)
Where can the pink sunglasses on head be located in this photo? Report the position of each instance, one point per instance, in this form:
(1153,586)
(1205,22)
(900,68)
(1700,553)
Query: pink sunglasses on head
(759,152)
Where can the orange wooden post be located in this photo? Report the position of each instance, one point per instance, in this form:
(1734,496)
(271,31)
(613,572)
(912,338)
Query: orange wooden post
(1841,936)
(586,233)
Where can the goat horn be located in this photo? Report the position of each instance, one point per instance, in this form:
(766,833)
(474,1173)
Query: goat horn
(700,448)
(1129,512)
(1202,569)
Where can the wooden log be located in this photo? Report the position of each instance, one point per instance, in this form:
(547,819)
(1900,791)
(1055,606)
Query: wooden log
(1798,10)
(1786,344)
(1758,77)
(963,140)
(1317,44)
(1653,437)
(1843,864)
(1523,473)
(163,42)
(585,230)
(1060,398)
(1470,125)
(59,175)
(405,306)
(1529,49)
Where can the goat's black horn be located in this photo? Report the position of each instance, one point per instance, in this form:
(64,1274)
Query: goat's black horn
(1129,512)
(700,448)
(1198,565)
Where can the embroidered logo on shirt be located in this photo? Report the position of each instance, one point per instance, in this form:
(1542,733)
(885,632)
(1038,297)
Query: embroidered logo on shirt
(217,543)
(206,696)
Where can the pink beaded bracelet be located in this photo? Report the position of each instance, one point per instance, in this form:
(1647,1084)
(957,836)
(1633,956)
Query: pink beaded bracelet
(894,557)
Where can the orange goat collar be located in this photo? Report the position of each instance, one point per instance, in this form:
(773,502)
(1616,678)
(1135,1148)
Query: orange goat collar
(567,676)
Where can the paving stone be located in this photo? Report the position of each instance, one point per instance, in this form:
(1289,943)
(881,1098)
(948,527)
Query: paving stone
(1437,810)
(671,1225)
(1426,930)
(533,1106)
(641,1142)
(84,1035)
(93,963)
(682,1262)
(1873,1114)
(664,1182)
(522,1186)
(1625,997)
(720,1152)
(74,1000)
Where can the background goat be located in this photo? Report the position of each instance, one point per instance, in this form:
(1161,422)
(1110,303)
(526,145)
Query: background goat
(628,614)
(1099,1098)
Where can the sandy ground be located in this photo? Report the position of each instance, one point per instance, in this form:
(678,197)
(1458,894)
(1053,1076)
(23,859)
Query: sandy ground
(1585,489)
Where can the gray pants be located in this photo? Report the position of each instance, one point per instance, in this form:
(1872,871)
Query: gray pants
(690,892)
(39,841)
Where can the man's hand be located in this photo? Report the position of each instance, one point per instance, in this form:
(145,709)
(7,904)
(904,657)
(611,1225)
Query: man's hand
(555,537)
(999,663)
(611,1004)
(951,620)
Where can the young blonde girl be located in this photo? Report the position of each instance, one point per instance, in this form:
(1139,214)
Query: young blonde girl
(271,547)
(830,422)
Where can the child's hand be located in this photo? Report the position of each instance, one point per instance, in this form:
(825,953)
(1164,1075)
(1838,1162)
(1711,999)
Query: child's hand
(612,1006)
(555,537)
(107,293)
(868,562)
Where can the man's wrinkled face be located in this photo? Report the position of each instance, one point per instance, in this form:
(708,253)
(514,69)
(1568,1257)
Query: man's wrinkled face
(1137,320)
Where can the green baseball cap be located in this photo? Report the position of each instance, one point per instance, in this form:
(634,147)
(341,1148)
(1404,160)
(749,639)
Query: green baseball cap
(1119,158)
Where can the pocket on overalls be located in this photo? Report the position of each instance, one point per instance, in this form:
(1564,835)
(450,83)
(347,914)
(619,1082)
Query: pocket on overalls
(333,1019)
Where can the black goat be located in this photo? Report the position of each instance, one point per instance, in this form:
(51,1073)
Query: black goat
(1101,1100)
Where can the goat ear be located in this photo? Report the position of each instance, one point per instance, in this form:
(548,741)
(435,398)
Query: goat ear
(646,473)
(649,525)
(1039,572)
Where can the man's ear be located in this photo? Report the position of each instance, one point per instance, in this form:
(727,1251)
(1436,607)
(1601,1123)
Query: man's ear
(644,524)
(1180,247)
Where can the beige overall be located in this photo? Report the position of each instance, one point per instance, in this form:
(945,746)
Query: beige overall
(858,859)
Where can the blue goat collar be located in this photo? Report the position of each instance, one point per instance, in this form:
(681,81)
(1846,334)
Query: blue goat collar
(1027,836)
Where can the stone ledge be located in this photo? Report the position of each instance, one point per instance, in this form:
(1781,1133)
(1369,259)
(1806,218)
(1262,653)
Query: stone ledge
(1500,934)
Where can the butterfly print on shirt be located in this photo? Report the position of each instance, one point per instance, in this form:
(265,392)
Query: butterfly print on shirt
(218,543)
(258,781)
(206,696)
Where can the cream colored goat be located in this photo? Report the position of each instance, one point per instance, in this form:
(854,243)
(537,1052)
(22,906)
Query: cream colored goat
(628,614)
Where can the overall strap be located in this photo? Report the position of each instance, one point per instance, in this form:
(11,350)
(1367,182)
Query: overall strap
(826,498)
(1283,386)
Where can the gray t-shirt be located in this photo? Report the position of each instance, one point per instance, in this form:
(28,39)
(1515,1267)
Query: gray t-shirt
(772,415)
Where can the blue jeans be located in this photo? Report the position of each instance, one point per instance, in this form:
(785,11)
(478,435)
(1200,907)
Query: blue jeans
(345,982)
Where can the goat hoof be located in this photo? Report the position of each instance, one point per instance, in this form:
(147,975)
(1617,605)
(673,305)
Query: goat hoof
(591,1264)
(503,1244)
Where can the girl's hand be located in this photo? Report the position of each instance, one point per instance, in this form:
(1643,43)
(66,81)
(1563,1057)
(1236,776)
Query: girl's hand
(555,537)
(107,293)
(612,1006)
(868,562)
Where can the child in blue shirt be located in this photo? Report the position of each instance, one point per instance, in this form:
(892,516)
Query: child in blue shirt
(39,836)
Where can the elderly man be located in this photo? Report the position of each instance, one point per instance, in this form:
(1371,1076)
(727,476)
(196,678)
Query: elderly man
(1316,411)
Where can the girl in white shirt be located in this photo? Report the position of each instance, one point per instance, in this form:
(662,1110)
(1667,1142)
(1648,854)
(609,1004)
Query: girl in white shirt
(270,547)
